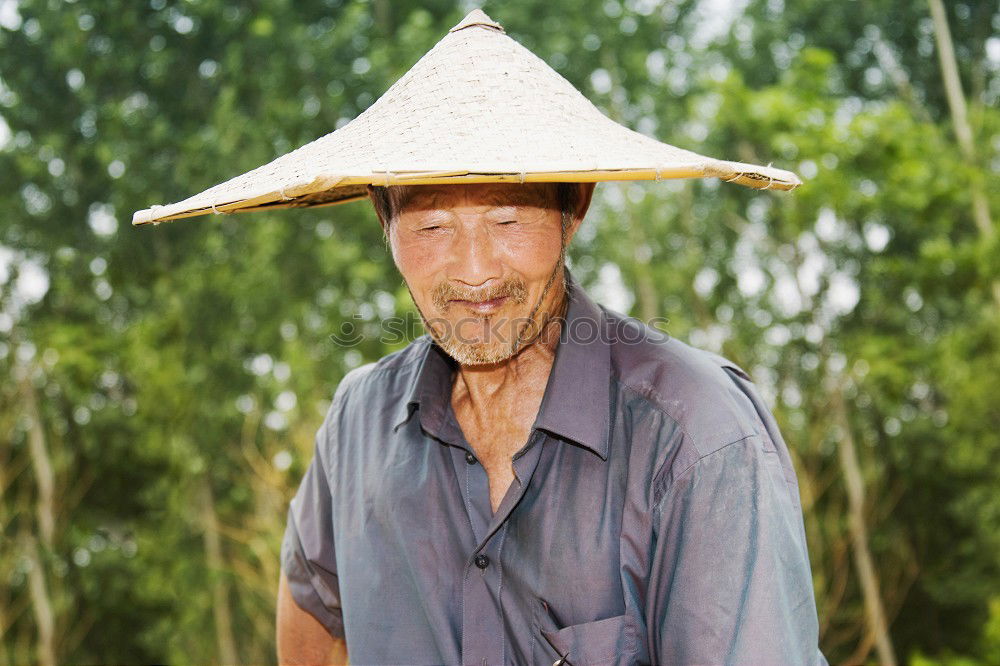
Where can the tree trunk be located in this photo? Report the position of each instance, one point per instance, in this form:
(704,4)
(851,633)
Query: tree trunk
(225,642)
(960,121)
(45,514)
(867,575)
(41,604)
(40,460)
(648,302)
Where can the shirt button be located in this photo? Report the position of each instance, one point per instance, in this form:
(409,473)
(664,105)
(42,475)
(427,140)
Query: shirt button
(482,561)
(469,458)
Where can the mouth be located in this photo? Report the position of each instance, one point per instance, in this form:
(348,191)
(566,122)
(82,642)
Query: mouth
(482,307)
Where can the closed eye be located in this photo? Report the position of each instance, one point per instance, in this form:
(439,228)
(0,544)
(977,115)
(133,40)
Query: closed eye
(508,222)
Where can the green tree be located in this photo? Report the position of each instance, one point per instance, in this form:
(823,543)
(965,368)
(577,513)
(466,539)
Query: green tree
(160,387)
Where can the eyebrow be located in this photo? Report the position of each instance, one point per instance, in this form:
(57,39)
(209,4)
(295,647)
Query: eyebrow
(519,197)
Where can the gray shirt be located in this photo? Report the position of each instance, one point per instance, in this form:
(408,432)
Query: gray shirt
(654,516)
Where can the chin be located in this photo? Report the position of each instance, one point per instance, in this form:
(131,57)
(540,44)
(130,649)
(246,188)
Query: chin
(477,354)
(492,340)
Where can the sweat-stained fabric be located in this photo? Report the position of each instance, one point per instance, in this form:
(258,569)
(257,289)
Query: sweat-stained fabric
(654,517)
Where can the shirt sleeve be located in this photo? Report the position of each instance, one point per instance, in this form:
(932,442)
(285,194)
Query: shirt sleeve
(730,580)
(308,556)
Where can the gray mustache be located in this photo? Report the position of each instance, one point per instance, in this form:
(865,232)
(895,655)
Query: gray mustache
(513,289)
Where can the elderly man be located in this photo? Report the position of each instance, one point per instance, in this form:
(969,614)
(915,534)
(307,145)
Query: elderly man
(538,479)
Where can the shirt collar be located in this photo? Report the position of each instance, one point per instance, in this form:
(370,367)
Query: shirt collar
(577,402)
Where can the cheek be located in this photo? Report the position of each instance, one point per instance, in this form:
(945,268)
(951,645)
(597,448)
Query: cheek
(416,260)
(531,253)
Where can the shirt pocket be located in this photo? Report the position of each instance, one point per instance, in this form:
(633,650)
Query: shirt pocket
(608,641)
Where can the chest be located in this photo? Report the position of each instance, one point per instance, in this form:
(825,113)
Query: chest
(410,515)
(494,442)
(496,431)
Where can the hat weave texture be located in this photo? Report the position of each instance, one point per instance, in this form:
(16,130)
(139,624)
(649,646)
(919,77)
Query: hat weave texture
(478,107)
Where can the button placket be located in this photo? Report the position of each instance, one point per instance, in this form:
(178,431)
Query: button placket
(524,467)
(482,622)
(476,494)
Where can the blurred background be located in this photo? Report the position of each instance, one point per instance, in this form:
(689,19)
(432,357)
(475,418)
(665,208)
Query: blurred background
(160,388)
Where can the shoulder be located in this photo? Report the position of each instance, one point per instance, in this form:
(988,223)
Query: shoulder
(385,380)
(701,391)
(705,399)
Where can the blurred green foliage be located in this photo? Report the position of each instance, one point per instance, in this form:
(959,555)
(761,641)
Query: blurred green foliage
(160,387)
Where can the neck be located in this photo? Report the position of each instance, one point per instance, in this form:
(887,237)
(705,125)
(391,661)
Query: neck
(526,372)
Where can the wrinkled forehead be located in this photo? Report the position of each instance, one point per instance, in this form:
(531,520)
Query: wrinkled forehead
(538,195)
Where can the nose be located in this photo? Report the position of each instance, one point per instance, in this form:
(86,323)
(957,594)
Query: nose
(474,257)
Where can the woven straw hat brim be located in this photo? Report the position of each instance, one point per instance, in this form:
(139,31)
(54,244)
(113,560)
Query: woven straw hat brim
(477,108)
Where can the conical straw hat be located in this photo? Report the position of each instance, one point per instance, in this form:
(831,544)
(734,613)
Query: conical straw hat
(478,107)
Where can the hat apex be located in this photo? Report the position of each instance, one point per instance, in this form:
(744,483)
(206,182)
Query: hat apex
(477,17)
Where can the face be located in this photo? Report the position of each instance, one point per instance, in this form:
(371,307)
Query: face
(483,263)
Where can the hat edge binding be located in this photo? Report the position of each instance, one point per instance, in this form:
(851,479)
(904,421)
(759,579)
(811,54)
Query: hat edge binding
(754,177)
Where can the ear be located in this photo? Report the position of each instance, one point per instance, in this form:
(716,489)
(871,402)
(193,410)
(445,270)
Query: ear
(378,213)
(586,195)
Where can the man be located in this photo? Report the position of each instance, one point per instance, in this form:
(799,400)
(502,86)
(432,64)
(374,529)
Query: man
(538,479)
